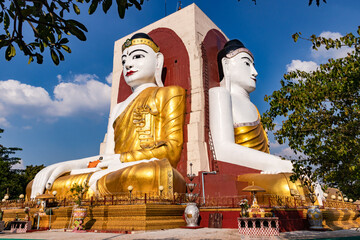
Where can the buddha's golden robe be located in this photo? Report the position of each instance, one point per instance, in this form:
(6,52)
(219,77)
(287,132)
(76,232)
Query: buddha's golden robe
(252,135)
(151,126)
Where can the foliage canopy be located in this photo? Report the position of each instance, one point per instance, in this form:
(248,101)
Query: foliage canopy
(48,22)
(322,114)
(8,176)
(14,180)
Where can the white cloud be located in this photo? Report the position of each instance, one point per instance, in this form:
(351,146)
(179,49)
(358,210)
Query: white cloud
(4,122)
(19,165)
(287,153)
(307,66)
(332,35)
(83,78)
(59,77)
(84,94)
(92,95)
(274,145)
(22,99)
(109,78)
(16,93)
(322,54)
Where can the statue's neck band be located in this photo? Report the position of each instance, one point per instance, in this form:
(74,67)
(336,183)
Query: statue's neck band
(138,41)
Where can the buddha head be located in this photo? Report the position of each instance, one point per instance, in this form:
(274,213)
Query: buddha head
(142,62)
(236,66)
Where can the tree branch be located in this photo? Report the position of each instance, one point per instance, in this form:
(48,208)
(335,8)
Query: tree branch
(45,23)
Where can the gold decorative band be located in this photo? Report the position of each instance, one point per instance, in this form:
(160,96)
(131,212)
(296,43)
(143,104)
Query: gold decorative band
(138,41)
(235,52)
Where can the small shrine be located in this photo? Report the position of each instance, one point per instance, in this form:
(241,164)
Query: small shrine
(255,210)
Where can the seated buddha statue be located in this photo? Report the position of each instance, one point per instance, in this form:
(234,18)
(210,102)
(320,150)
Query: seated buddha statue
(238,135)
(144,137)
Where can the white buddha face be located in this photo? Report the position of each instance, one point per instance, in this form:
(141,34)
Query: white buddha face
(139,65)
(240,71)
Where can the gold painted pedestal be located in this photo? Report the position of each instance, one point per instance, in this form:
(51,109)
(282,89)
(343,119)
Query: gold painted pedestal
(115,217)
(337,219)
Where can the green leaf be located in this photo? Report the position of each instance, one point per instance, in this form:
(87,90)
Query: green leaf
(64,41)
(10,52)
(93,6)
(121,8)
(78,24)
(6,21)
(137,5)
(39,58)
(54,57)
(78,33)
(42,46)
(51,37)
(31,59)
(76,9)
(106,5)
(66,48)
(295,37)
(62,58)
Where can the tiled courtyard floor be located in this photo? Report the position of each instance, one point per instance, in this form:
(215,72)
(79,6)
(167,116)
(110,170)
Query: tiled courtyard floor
(174,234)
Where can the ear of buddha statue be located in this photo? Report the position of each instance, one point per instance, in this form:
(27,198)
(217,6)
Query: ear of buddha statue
(159,68)
(226,83)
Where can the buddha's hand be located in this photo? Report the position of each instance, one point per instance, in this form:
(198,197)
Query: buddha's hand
(46,177)
(109,161)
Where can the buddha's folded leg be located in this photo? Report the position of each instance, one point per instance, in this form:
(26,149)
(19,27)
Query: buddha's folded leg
(145,178)
(63,184)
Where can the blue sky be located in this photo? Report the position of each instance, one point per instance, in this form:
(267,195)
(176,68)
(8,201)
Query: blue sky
(58,113)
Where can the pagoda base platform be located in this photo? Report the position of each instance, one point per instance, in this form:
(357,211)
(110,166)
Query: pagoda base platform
(156,216)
